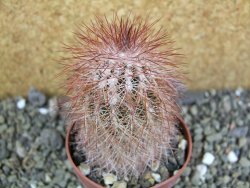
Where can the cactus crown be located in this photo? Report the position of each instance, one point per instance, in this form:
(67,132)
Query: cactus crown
(123,83)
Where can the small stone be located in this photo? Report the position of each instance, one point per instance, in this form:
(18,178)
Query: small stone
(119,184)
(195,179)
(21,103)
(244,162)
(136,186)
(53,107)
(52,139)
(194,110)
(2,119)
(208,158)
(214,137)
(227,103)
(145,184)
(242,141)
(84,168)
(164,172)
(43,111)
(239,132)
(20,150)
(238,92)
(216,124)
(151,181)
(155,165)
(172,164)
(175,172)
(133,180)
(4,152)
(32,185)
(47,178)
(181,157)
(187,171)
(202,169)
(183,144)
(36,98)
(156,176)
(109,178)
(147,175)
(226,179)
(232,157)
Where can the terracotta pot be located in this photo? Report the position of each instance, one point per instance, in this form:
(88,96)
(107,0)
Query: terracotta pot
(88,183)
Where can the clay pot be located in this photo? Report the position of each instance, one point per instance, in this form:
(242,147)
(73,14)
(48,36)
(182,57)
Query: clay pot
(168,183)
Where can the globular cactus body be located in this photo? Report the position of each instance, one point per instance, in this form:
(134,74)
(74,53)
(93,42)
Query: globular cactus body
(123,83)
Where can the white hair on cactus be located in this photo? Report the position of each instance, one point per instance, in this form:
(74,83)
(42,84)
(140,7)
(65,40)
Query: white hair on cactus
(112,82)
(102,83)
(128,77)
(129,85)
(114,99)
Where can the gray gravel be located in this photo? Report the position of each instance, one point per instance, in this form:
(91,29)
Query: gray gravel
(32,153)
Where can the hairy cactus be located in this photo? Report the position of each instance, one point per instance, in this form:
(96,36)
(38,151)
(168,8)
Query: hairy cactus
(123,83)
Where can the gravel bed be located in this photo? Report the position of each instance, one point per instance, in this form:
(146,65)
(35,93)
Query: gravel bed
(32,134)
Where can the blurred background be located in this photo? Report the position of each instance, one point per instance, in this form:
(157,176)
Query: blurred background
(213,35)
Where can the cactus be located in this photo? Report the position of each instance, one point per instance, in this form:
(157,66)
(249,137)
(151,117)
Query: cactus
(123,82)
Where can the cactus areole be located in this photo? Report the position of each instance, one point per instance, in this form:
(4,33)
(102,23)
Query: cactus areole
(123,83)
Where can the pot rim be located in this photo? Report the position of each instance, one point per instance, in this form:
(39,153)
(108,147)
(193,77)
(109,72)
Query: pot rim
(168,182)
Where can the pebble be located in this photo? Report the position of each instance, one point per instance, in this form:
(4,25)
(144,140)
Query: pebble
(36,98)
(187,171)
(33,185)
(172,164)
(227,104)
(199,175)
(156,176)
(244,162)
(21,103)
(53,107)
(52,139)
(242,141)
(239,132)
(109,178)
(4,153)
(194,110)
(232,157)
(155,165)
(119,184)
(202,169)
(208,158)
(195,179)
(2,119)
(181,157)
(214,137)
(84,168)
(238,92)
(43,111)
(164,172)
(20,150)
(146,184)
(47,178)
(226,179)
(183,144)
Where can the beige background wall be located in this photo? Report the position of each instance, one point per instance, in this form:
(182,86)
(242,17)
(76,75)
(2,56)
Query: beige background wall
(214,35)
